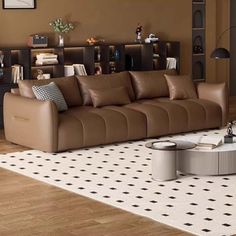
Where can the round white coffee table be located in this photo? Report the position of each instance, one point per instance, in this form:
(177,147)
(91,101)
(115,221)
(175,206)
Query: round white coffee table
(164,157)
(217,161)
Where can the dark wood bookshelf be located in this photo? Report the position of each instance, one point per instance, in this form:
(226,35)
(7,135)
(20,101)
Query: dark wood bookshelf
(109,57)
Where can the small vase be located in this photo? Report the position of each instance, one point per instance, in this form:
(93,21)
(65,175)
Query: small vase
(60,40)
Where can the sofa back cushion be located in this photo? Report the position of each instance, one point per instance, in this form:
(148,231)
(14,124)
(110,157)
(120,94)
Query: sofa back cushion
(108,97)
(96,82)
(67,85)
(150,84)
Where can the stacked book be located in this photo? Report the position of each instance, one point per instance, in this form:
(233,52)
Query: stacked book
(46,59)
(17,73)
(75,69)
(209,142)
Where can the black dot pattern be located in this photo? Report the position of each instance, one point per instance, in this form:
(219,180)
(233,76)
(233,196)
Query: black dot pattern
(120,175)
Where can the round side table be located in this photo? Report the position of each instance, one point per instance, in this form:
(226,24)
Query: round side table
(164,157)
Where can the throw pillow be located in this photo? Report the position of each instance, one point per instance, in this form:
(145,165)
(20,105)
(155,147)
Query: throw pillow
(68,86)
(50,92)
(150,84)
(112,96)
(180,87)
(105,82)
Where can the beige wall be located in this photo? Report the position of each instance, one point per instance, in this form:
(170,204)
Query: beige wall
(114,20)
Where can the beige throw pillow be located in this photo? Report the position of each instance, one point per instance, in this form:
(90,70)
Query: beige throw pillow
(112,96)
(180,87)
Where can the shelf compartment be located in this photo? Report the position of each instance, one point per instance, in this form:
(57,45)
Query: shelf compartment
(5,75)
(55,70)
(198,20)
(198,70)
(7,57)
(57,51)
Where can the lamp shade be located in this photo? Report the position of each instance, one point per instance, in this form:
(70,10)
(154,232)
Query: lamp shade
(220,53)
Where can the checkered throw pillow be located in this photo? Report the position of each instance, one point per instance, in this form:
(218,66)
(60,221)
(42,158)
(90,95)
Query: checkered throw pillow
(50,92)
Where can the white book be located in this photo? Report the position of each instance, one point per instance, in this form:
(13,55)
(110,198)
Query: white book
(46,56)
(13,71)
(69,70)
(171,63)
(21,73)
(17,73)
(80,69)
(209,142)
(47,62)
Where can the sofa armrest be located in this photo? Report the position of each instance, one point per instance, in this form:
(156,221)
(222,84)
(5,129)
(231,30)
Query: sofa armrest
(217,93)
(30,122)
(15,91)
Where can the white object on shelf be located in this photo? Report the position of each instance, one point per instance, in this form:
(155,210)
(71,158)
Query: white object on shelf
(46,59)
(47,76)
(171,63)
(17,73)
(69,70)
(80,69)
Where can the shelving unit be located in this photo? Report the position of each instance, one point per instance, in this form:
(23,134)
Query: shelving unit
(198,40)
(12,56)
(109,58)
(55,70)
(138,57)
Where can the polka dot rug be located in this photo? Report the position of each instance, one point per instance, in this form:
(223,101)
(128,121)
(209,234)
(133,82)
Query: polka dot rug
(120,175)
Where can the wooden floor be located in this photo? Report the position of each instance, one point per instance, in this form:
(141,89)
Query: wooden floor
(30,208)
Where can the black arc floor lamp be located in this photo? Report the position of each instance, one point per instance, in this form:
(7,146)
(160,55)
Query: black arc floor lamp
(221,53)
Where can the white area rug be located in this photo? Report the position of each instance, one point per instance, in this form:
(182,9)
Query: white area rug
(120,175)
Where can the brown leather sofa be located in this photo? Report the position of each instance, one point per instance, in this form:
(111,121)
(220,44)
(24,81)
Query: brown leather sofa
(150,113)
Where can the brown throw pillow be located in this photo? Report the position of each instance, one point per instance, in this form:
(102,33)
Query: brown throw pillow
(180,87)
(112,96)
(150,84)
(104,82)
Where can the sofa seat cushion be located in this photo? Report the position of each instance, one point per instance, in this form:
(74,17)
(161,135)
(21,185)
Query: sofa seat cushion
(105,82)
(79,128)
(212,111)
(157,118)
(150,84)
(89,126)
(168,117)
(136,124)
(67,85)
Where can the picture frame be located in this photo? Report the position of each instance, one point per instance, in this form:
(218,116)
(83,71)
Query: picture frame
(19,4)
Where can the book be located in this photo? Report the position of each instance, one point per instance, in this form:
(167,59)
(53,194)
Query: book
(46,62)
(17,73)
(42,56)
(209,142)
(69,70)
(80,69)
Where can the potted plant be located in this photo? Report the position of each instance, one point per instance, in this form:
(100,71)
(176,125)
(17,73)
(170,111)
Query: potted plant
(61,27)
